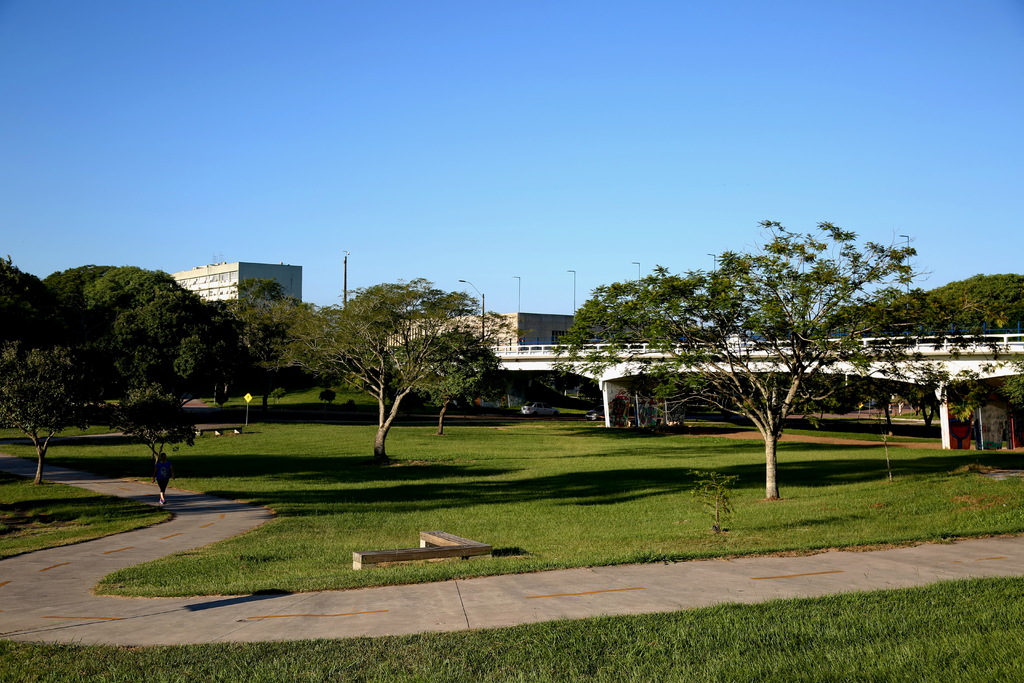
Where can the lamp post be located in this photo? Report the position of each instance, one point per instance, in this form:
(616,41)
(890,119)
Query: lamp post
(573,290)
(519,300)
(638,276)
(715,257)
(344,295)
(483,329)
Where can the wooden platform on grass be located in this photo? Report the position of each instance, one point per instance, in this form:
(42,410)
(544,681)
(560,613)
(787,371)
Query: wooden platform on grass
(433,545)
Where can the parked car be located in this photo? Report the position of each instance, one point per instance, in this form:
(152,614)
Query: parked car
(538,409)
(596,413)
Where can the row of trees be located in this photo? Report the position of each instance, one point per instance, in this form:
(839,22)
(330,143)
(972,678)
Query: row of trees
(96,333)
(91,334)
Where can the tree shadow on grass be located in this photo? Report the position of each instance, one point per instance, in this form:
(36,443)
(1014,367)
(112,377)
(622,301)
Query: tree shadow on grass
(849,464)
(313,485)
(582,488)
(344,469)
(61,509)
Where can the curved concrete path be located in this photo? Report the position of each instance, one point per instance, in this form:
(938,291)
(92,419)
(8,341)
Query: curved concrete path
(45,596)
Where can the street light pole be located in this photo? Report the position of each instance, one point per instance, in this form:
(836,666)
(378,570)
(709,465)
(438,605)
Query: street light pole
(519,301)
(715,257)
(638,276)
(344,296)
(483,308)
(573,290)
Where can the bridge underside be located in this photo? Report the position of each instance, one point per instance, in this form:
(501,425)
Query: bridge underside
(995,425)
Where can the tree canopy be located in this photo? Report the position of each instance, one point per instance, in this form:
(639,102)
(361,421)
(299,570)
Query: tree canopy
(384,341)
(993,301)
(135,326)
(265,316)
(42,392)
(750,333)
(27,308)
(154,418)
(464,367)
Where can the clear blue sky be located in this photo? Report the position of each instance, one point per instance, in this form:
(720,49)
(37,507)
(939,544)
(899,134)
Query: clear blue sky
(491,139)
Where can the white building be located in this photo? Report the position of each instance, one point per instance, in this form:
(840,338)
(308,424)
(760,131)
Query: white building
(219,281)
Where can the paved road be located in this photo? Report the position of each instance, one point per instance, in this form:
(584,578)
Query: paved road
(45,596)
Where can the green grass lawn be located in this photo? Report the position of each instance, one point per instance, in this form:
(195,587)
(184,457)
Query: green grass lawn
(545,495)
(956,631)
(9,433)
(34,517)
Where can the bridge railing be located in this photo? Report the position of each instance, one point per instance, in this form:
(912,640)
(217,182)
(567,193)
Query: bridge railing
(1003,343)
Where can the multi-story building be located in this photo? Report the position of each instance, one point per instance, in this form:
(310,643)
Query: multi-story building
(535,328)
(219,281)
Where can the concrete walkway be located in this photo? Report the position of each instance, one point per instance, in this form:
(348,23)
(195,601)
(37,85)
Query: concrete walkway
(45,596)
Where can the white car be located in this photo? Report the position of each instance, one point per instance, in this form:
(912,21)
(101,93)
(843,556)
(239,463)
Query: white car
(538,409)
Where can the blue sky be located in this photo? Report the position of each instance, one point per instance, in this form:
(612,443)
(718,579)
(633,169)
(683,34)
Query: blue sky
(487,140)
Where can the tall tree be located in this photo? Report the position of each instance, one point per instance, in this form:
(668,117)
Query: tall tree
(154,418)
(27,308)
(139,326)
(265,316)
(464,367)
(383,341)
(42,393)
(76,310)
(751,332)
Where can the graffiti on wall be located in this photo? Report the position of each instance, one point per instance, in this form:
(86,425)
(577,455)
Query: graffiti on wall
(960,434)
(990,425)
(618,410)
(627,410)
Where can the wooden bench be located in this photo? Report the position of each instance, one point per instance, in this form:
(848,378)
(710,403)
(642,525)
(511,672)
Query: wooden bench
(433,545)
(218,430)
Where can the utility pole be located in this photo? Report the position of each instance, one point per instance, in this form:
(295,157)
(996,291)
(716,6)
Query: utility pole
(573,290)
(344,296)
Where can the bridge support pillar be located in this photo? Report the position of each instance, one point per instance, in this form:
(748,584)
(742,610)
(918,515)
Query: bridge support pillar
(947,439)
(610,390)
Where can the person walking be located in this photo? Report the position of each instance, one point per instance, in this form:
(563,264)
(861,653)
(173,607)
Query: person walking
(163,472)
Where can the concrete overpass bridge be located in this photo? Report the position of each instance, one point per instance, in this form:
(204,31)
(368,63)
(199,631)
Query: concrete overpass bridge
(987,357)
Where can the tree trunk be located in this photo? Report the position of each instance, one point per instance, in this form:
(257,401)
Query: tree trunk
(771,484)
(264,407)
(440,418)
(385,418)
(928,413)
(41,453)
(380,454)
